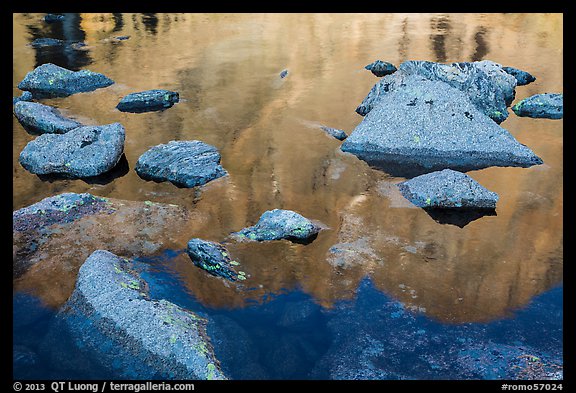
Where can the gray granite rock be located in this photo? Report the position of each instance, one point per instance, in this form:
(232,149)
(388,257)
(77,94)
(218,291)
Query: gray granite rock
(82,152)
(43,119)
(547,105)
(183,163)
(522,77)
(149,100)
(25,96)
(46,42)
(447,189)
(427,125)
(485,83)
(338,134)
(110,320)
(381,68)
(213,258)
(280,224)
(50,80)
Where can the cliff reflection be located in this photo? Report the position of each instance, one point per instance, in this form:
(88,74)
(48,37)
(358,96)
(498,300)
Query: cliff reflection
(226,66)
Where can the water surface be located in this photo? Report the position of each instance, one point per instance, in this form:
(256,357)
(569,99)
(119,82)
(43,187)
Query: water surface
(226,69)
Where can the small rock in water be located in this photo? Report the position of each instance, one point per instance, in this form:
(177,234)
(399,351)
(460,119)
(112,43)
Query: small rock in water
(44,42)
(82,152)
(25,96)
(43,119)
(283,73)
(149,100)
(280,224)
(50,80)
(183,163)
(214,258)
(122,37)
(338,134)
(447,189)
(547,105)
(522,77)
(381,68)
(51,18)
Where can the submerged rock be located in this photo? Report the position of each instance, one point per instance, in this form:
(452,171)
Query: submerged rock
(381,68)
(43,119)
(447,189)
(183,163)
(425,125)
(485,83)
(51,18)
(149,100)
(214,258)
(111,321)
(25,96)
(338,134)
(547,105)
(522,77)
(280,224)
(44,42)
(50,80)
(82,152)
(53,237)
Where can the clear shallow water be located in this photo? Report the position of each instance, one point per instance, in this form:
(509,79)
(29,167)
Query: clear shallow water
(226,68)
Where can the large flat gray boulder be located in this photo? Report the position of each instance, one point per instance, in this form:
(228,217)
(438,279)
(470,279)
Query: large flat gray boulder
(43,119)
(486,84)
(50,80)
(111,320)
(425,125)
(82,152)
(183,163)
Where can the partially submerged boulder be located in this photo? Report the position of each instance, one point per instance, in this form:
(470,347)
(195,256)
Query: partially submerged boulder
(82,152)
(111,320)
(280,224)
(149,100)
(423,126)
(381,68)
(25,96)
(447,189)
(522,77)
(51,18)
(338,134)
(213,258)
(547,105)
(183,163)
(43,119)
(50,80)
(485,83)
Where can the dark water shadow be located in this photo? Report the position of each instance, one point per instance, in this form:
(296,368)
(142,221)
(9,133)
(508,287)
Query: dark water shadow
(303,241)
(121,169)
(410,170)
(66,55)
(442,28)
(458,217)
(482,48)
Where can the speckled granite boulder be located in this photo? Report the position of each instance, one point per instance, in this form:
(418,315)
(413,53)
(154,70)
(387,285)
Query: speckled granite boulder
(381,68)
(447,189)
(111,320)
(213,258)
(50,80)
(547,106)
(43,119)
(82,152)
(280,224)
(149,100)
(183,163)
